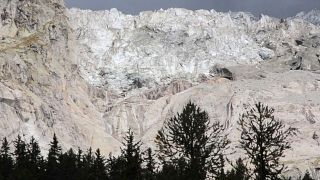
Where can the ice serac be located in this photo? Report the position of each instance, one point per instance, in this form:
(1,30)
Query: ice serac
(41,92)
(311,16)
(157,47)
(154,48)
(88,76)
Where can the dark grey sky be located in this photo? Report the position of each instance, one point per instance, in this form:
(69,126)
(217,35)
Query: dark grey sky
(277,8)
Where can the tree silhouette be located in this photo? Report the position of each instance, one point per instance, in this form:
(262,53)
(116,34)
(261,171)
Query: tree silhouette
(173,170)
(239,171)
(6,161)
(99,166)
(116,168)
(221,173)
(53,171)
(87,169)
(190,136)
(36,162)
(68,165)
(82,173)
(20,152)
(307,176)
(132,156)
(264,140)
(21,165)
(149,171)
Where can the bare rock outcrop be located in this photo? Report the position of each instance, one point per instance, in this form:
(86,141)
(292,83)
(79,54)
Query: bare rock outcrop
(41,92)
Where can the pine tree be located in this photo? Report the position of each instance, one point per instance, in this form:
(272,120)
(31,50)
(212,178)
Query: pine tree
(79,161)
(68,165)
(52,166)
(264,140)
(149,171)
(20,152)
(191,136)
(307,176)
(21,166)
(116,168)
(174,170)
(87,169)
(239,171)
(99,166)
(222,175)
(6,161)
(129,164)
(81,173)
(132,156)
(36,163)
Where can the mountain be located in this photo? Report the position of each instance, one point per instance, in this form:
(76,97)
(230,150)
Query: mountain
(88,75)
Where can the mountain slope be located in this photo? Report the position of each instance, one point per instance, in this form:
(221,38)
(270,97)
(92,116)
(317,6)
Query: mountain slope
(89,76)
(41,92)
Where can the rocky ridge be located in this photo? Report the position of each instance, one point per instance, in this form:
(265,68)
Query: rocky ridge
(89,76)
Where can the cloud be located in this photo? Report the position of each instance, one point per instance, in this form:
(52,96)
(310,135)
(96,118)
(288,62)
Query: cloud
(277,8)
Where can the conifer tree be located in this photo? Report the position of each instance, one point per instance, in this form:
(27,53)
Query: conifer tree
(36,163)
(149,171)
(221,173)
(67,165)
(132,157)
(79,161)
(6,161)
(307,176)
(87,169)
(52,166)
(190,136)
(239,171)
(99,166)
(20,153)
(81,172)
(21,165)
(264,140)
(173,170)
(116,168)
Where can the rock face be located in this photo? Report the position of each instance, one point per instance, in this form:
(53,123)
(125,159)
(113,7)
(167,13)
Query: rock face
(89,76)
(40,89)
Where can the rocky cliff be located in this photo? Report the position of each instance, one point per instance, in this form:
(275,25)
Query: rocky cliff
(41,91)
(89,76)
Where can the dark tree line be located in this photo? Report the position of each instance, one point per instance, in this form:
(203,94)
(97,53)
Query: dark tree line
(27,163)
(189,147)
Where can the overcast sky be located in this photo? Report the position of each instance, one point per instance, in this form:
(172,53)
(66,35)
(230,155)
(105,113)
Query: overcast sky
(277,8)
